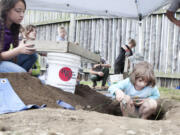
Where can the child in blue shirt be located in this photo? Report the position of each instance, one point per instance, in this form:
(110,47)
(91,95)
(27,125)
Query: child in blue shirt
(138,93)
(61,34)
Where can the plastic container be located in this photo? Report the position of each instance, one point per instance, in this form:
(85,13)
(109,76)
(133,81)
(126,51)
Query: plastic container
(62,70)
(115,78)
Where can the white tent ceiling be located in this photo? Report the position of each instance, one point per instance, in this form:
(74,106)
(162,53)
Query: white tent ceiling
(111,8)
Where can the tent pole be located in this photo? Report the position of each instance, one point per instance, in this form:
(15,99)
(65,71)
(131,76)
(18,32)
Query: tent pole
(137,7)
(140,27)
(140,38)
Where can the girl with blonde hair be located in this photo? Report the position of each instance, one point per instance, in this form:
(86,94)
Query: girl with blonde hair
(137,94)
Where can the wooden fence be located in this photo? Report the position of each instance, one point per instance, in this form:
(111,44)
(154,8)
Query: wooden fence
(160,39)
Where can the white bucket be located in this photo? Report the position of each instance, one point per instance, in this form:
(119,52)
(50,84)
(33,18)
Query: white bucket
(62,70)
(116,78)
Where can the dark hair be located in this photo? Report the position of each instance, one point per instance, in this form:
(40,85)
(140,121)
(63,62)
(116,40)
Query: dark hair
(28,29)
(145,71)
(5,7)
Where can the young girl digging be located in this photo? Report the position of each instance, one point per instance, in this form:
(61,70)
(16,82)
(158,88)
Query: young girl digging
(138,93)
(11,15)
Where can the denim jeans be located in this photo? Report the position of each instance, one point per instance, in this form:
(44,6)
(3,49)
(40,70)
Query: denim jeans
(24,63)
(9,67)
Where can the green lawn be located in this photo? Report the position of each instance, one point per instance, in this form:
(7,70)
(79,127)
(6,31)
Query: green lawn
(170,93)
(89,83)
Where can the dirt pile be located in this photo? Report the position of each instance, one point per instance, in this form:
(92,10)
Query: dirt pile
(50,121)
(56,121)
(32,91)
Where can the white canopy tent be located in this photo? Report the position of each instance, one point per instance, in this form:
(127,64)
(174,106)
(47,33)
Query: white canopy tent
(133,9)
(136,9)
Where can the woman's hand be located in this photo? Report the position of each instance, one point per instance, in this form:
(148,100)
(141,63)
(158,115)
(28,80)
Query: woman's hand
(26,48)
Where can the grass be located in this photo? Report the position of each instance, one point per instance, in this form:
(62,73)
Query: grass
(90,84)
(170,93)
(165,92)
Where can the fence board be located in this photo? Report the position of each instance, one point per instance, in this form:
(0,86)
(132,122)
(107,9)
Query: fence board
(160,38)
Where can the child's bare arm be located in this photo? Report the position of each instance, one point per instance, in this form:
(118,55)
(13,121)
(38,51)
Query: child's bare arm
(119,95)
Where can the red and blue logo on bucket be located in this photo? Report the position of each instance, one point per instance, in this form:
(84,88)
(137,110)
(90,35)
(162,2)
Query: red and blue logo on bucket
(65,73)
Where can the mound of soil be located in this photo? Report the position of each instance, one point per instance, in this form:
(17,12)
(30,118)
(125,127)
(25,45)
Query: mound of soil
(32,91)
